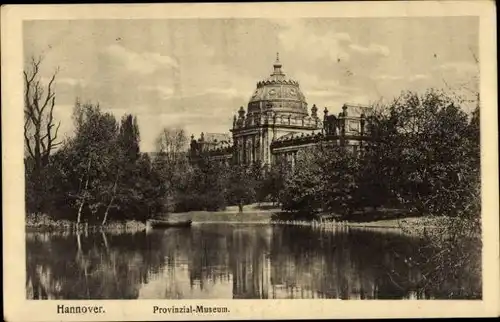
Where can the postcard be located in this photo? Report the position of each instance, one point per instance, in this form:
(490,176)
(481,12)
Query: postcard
(250,161)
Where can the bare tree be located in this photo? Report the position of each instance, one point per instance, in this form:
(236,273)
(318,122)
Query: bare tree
(172,143)
(468,91)
(40,129)
(171,161)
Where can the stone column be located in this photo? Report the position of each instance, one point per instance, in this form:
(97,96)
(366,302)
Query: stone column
(257,146)
(236,152)
(240,150)
(268,147)
(254,147)
(261,146)
(244,149)
(265,144)
(249,150)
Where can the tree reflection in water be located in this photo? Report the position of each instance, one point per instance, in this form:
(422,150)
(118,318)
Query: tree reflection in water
(89,266)
(224,261)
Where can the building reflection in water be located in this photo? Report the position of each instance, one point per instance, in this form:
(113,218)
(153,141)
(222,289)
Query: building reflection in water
(249,262)
(224,261)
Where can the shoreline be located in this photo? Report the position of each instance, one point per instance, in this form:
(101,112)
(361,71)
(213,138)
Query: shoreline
(44,223)
(268,216)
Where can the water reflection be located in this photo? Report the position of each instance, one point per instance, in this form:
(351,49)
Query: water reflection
(224,261)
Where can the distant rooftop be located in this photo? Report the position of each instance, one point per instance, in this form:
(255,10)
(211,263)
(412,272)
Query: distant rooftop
(217,137)
(357,109)
(154,154)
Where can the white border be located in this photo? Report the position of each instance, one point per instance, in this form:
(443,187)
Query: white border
(17,308)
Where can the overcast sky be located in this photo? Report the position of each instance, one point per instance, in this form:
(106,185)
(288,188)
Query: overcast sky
(195,74)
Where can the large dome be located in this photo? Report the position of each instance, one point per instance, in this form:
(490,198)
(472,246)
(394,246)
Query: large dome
(279,94)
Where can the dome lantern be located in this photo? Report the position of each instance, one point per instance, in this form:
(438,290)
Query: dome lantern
(278,93)
(277,66)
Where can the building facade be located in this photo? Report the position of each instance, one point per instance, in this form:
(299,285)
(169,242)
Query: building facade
(277,124)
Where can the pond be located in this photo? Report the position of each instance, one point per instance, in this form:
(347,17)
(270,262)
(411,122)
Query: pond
(223,261)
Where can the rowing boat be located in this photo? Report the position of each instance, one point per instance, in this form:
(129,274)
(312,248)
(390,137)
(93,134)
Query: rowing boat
(155,223)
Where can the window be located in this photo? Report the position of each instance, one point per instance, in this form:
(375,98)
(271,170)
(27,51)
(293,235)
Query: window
(354,126)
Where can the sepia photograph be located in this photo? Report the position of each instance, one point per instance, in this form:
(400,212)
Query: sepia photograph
(251,158)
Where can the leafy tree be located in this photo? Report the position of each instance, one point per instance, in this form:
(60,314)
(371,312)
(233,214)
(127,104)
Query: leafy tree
(90,161)
(430,150)
(123,194)
(303,189)
(410,142)
(324,178)
(144,195)
(100,174)
(129,138)
(274,180)
(340,176)
(242,183)
(204,188)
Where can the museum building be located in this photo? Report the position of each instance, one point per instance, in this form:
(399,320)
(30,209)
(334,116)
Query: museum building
(277,124)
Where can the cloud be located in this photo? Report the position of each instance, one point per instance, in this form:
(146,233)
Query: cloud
(457,75)
(63,113)
(229,92)
(314,82)
(320,90)
(360,99)
(386,77)
(330,53)
(296,38)
(342,36)
(165,92)
(458,67)
(325,93)
(373,49)
(419,77)
(71,81)
(143,63)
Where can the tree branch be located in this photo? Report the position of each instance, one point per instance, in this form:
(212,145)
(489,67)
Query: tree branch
(474,55)
(39,144)
(50,94)
(27,139)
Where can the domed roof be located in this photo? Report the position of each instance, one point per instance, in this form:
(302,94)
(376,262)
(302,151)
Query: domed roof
(278,93)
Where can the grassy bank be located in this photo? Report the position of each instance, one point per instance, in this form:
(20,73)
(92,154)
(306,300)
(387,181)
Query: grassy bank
(252,214)
(267,214)
(43,222)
